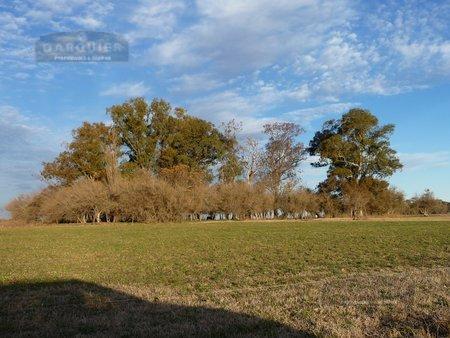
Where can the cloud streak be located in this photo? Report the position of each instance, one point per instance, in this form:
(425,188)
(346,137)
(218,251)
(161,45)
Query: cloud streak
(127,89)
(24,146)
(424,161)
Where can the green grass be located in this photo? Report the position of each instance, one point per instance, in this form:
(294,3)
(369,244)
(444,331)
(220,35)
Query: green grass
(205,256)
(320,277)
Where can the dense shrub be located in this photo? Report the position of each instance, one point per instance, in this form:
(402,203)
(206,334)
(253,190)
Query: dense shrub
(426,204)
(28,208)
(193,193)
(144,198)
(181,194)
(242,200)
(387,201)
(86,200)
(18,207)
(299,203)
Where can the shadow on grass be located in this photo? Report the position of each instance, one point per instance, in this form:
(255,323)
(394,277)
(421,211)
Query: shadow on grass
(68,308)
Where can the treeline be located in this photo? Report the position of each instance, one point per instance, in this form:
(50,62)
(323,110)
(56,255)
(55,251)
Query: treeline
(155,163)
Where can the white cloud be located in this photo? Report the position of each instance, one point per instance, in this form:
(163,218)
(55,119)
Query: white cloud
(228,105)
(154,19)
(255,110)
(36,15)
(88,22)
(25,144)
(323,49)
(59,6)
(126,89)
(418,43)
(197,82)
(305,116)
(330,46)
(343,65)
(420,161)
(237,35)
(223,104)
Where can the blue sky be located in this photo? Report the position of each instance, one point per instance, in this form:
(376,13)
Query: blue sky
(255,61)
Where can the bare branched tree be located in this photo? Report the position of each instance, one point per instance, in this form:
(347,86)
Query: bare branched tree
(282,155)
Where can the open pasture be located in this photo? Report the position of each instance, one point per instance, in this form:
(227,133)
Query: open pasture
(228,278)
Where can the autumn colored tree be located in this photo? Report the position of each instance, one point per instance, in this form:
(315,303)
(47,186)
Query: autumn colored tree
(426,204)
(85,156)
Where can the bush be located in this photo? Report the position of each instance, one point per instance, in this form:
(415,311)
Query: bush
(242,200)
(427,204)
(18,207)
(180,193)
(193,193)
(86,200)
(299,203)
(28,208)
(387,201)
(144,198)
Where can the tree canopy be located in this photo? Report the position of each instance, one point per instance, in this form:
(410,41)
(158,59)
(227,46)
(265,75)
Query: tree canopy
(131,123)
(85,156)
(151,137)
(355,148)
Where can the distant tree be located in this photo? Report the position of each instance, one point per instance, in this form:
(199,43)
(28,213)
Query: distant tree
(251,159)
(182,176)
(85,156)
(356,149)
(242,200)
(426,204)
(184,139)
(298,200)
(282,155)
(151,137)
(329,204)
(19,208)
(231,165)
(131,122)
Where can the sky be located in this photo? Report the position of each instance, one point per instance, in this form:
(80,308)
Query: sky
(255,61)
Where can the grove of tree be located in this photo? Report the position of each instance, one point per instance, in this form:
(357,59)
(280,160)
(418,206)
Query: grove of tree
(158,163)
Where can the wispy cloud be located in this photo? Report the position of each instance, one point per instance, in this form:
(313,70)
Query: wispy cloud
(154,19)
(420,161)
(127,89)
(223,35)
(25,144)
(306,115)
(194,83)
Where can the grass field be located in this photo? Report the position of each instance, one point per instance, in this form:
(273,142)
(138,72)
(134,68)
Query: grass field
(231,278)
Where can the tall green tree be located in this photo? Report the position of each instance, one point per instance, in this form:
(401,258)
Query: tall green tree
(356,150)
(152,137)
(85,156)
(182,139)
(131,121)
